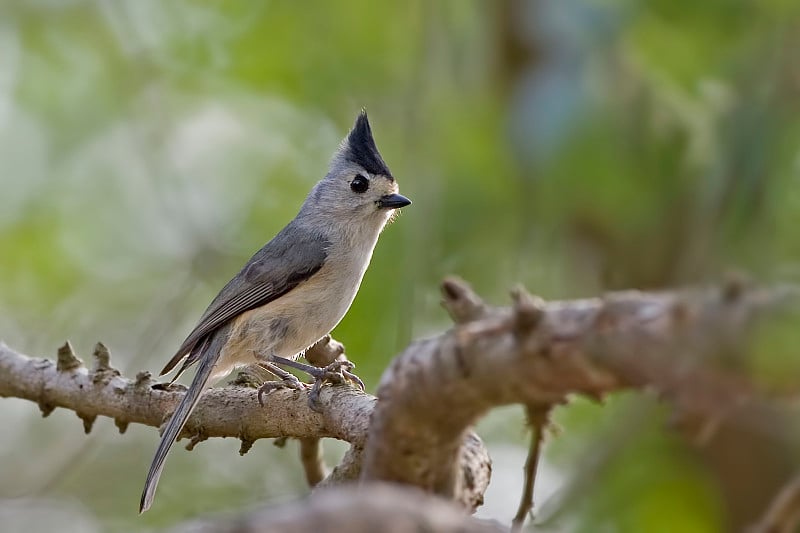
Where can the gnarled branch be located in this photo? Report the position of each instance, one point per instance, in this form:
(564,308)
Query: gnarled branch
(538,353)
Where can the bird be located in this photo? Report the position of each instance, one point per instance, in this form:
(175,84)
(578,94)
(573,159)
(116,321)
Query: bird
(295,289)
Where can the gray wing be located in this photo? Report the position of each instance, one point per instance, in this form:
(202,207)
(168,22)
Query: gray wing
(291,257)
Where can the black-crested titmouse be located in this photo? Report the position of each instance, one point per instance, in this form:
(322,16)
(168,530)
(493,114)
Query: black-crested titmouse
(296,288)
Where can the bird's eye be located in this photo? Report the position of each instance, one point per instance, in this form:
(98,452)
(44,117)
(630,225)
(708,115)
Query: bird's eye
(360,184)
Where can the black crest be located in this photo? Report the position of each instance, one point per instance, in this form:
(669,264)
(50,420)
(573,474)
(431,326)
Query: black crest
(361,148)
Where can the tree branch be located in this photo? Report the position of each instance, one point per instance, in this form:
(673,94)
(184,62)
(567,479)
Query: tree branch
(221,412)
(231,411)
(418,431)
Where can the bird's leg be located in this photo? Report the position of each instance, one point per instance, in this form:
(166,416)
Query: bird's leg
(336,372)
(286,380)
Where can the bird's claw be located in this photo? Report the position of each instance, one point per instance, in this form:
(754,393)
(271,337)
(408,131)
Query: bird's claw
(335,373)
(285,383)
(339,371)
(354,379)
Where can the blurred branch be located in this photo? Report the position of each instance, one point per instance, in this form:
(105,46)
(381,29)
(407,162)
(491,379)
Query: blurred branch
(538,353)
(313,462)
(363,509)
(783,515)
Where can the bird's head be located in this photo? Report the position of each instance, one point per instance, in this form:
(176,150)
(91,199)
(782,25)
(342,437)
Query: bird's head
(359,187)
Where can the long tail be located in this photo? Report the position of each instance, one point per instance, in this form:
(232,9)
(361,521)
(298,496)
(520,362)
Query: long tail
(205,369)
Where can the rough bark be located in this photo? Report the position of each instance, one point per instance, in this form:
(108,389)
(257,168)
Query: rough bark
(538,353)
(230,411)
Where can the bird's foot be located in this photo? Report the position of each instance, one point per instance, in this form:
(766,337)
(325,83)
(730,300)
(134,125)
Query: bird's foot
(336,373)
(286,380)
(343,367)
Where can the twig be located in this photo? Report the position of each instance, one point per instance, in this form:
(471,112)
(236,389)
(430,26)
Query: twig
(461,302)
(783,514)
(313,463)
(324,352)
(538,417)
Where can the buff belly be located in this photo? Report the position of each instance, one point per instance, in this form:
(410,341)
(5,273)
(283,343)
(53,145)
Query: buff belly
(288,325)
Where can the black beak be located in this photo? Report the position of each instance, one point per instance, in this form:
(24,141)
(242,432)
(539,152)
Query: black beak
(393,201)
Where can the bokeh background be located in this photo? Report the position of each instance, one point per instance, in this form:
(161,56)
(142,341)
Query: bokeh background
(148,148)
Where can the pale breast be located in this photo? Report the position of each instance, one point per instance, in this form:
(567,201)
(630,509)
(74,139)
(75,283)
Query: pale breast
(295,321)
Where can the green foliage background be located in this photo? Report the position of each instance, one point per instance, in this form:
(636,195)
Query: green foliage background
(148,148)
